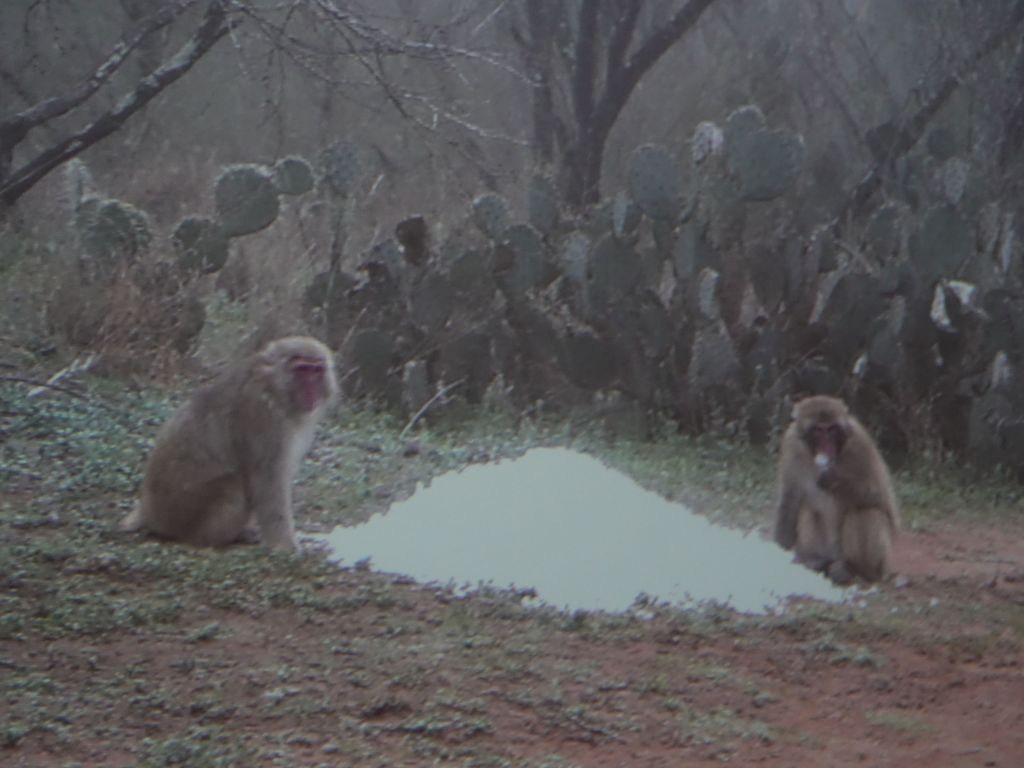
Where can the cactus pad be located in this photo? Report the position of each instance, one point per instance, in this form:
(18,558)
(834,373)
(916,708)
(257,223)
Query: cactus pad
(112,232)
(542,204)
(490,213)
(655,182)
(340,168)
(293,176)
(246,199)
(201,245)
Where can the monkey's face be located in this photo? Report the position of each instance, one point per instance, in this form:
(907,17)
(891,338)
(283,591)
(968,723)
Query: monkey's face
(298,373)
(825,441)
(309,377)
(822,424)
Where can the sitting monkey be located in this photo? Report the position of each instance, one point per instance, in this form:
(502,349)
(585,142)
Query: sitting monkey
(836,504)
(226,458)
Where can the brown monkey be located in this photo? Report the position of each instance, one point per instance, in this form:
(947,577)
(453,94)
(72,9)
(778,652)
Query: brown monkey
(836,503)
(226,458)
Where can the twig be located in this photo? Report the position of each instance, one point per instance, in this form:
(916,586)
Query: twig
(77,366)
(440,393)
(40,385)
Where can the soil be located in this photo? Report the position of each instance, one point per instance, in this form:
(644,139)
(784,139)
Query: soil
(417,675)
(117,650)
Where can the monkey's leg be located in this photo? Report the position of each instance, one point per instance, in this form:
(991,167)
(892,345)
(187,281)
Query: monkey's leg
(867,541)
(133,520)
(250,534)
(814,547)
(270,501)
(787,516)
(224,516)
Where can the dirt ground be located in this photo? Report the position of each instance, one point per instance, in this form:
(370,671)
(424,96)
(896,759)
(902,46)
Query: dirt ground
(117,650)
(415,675)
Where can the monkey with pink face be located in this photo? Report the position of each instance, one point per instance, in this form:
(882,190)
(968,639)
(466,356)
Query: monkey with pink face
(224,462)
(836,505)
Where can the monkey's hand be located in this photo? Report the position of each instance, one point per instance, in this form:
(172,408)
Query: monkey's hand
(859,495)
(830,479)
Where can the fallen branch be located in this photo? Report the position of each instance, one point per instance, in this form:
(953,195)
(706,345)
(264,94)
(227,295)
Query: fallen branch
(419,414)
(39,386)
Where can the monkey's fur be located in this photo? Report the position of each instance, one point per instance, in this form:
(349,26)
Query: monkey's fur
(836,503)
(226,458)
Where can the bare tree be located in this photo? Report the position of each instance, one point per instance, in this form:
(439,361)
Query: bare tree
(313,37)
(14,128)
(894,139)
(585,64)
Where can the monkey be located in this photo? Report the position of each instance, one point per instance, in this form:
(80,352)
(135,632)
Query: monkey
(836,504)
(222,465)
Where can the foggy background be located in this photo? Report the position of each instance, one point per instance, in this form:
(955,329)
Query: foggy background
(698,210)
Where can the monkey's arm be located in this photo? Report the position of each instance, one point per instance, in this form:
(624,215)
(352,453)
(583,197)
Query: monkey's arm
(270,500)
(787,515)
(850,485)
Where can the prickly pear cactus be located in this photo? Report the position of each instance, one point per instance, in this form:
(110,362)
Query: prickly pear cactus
(490,213)
(707,142)
(112,233)
(587,360)
(526,267)
(416,389)
(883,233)
(414,237)
(78,183)
(613,272)
(468,358)
(431,301)
(766,163)
(246,199)
(943,243)
(954,177)
(941,144)
(371,354)
(200,244)
(768,275)
(573,256)
(654,326)
(1006,325)
(542,204)
(472,278)
(293,176)
(706,296)
(714,362)
(848,313)
(741,124)
(340,168)
(626,215)
(388,254)
(655,182)
(691,251)
(328,288)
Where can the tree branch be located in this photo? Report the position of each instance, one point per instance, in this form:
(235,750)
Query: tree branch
(583,66)
(914,128)
(625,79)
(622,33)
(214,26)
(593,127)
(14,128)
